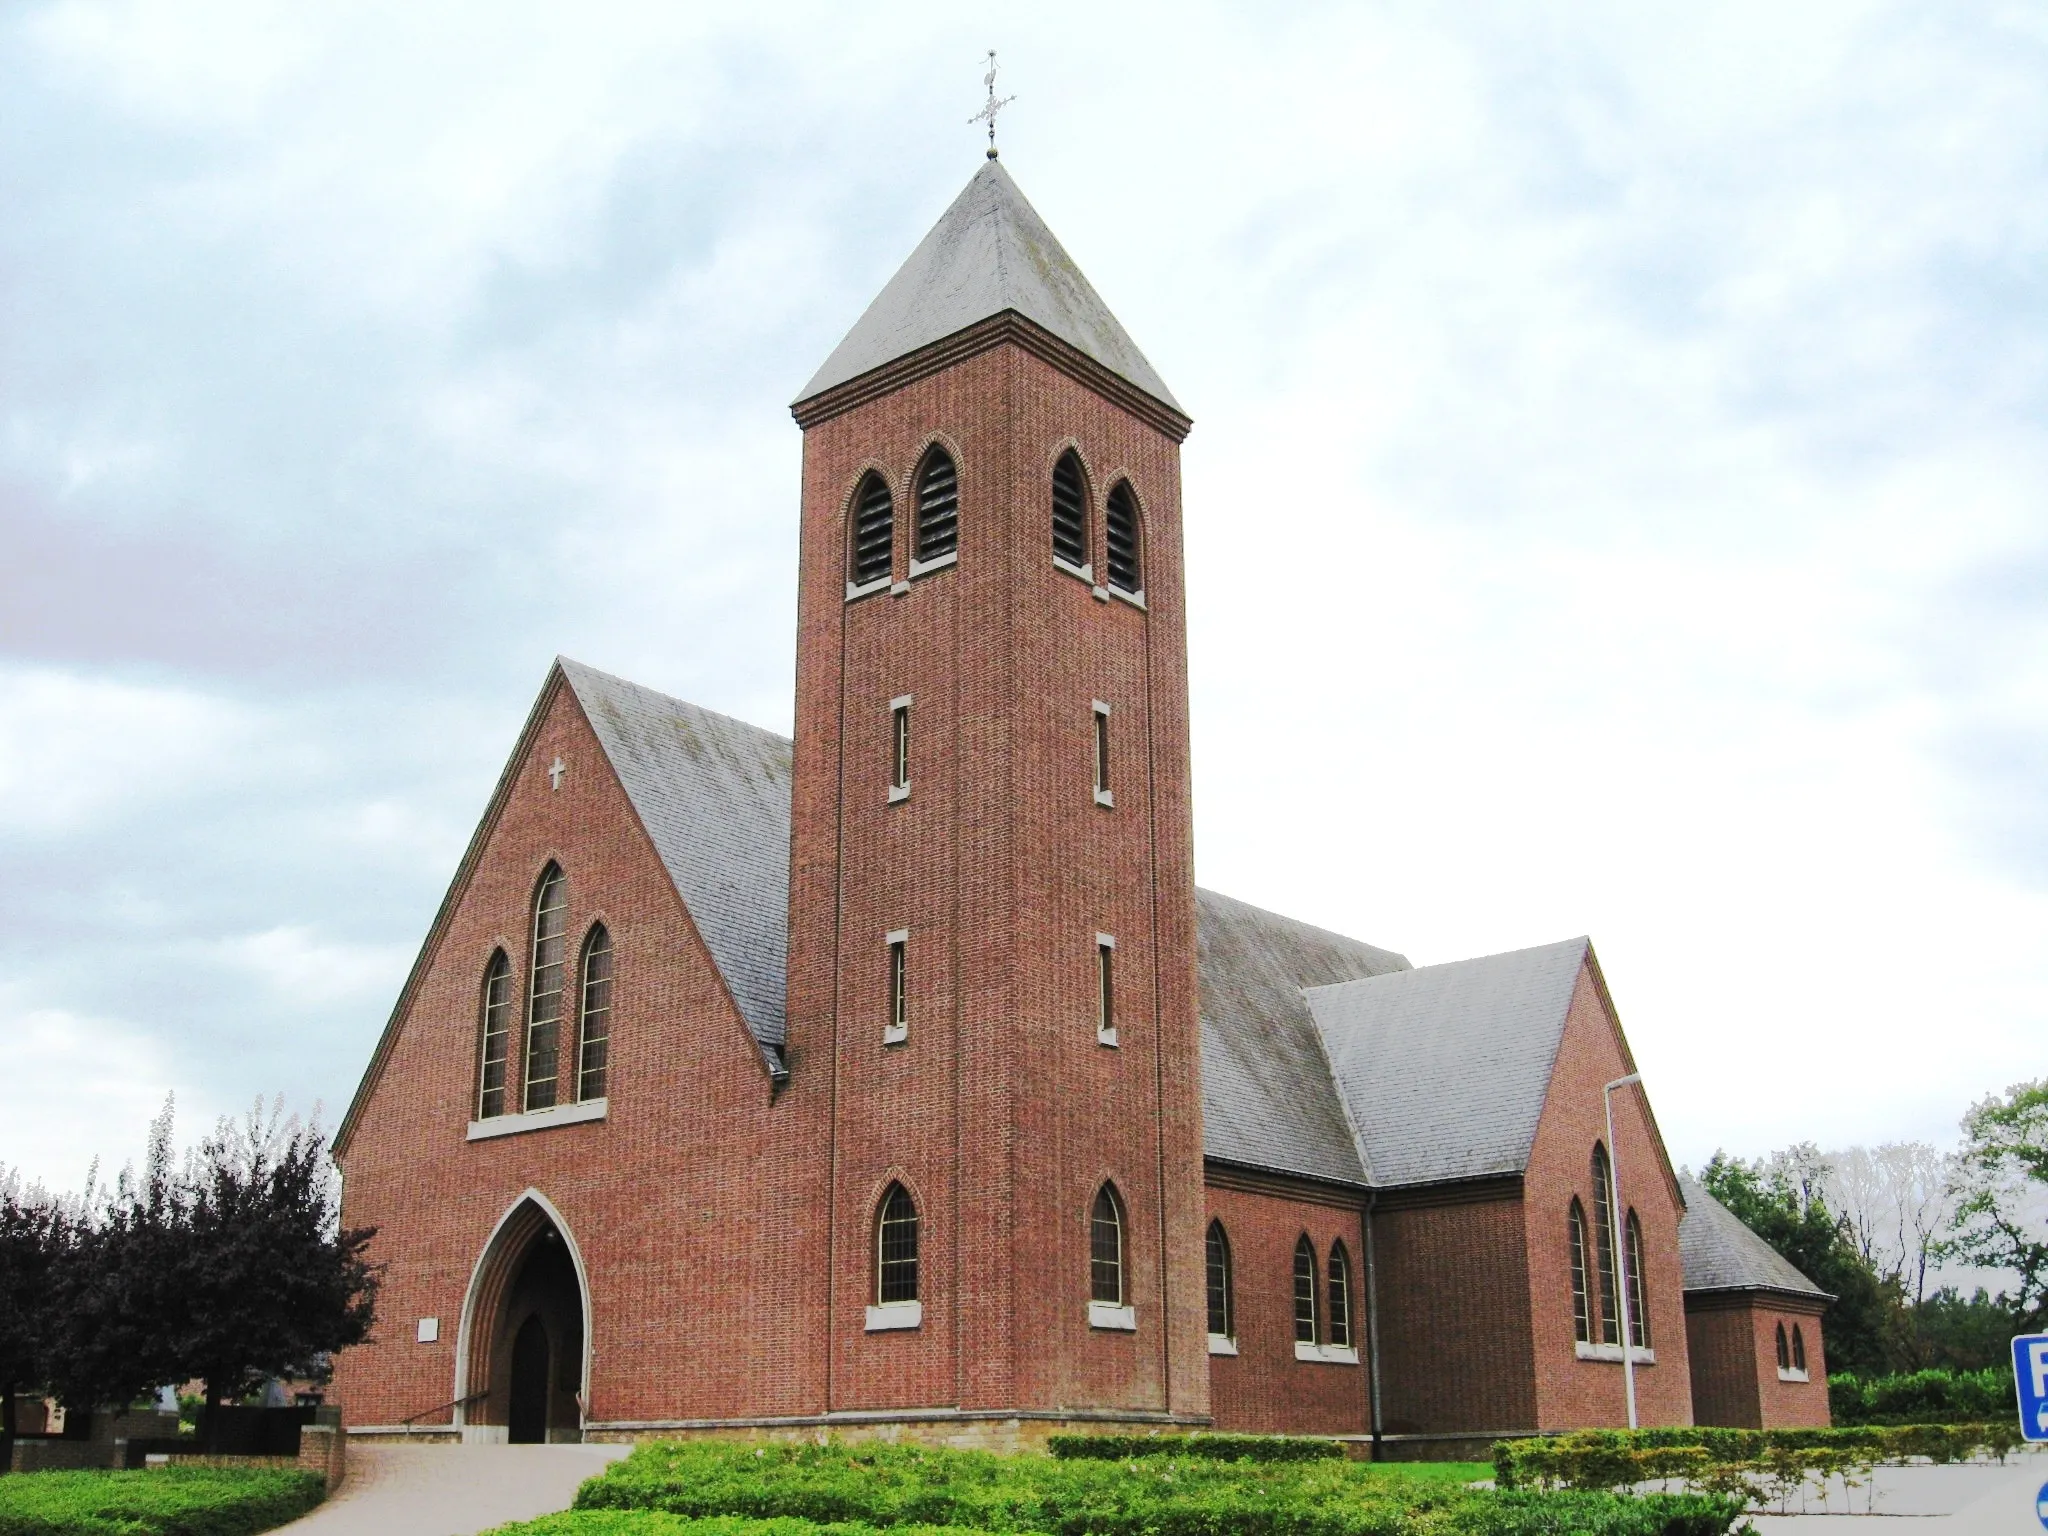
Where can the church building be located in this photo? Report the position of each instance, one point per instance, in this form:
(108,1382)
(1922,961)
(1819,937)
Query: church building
(896,1079)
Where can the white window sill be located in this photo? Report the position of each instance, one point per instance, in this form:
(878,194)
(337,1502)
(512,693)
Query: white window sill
(1326,1354)
(538,1119)
(1612,1353)
(1105,1036)
(1135,599)
(1102,594)
(926,567)
(1103,1314)
(899,588)
(862,589)
(1792,1373)
(892,1315)
(1085,572)
(895,1034)
(1104,797)
(898,792)
(1222,1344)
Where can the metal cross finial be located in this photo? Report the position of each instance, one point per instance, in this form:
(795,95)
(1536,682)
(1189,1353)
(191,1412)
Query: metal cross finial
(988,113)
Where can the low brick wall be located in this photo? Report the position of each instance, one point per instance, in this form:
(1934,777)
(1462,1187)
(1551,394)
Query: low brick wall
(323,1448)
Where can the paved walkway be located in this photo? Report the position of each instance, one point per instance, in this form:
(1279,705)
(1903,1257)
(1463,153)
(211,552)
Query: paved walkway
(451,1490)
(1980,1499)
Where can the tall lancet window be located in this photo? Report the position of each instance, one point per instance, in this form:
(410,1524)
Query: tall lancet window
(1339,1330)
(1069,511)
(1106,1248)
(873,541)
(1638,1307)
(1582,1318)
(1304,1291)
(1120,529)
(1603,1245)
(1221,1323)
(544,1005)
(496,1042)
(896,1248)
(938,506)
(594,1034)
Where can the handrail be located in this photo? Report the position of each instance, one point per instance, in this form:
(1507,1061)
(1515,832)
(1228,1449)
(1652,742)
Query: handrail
(460,1402)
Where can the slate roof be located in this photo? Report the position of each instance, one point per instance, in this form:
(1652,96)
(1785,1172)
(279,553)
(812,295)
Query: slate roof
(1720,1253)
(989,252)
(1267,1097)
(1443,1069)
(713,793)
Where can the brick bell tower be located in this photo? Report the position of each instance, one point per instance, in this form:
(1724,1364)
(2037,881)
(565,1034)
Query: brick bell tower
(992,916)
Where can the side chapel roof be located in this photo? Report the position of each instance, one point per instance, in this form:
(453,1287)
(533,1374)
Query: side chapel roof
(1720,1253)
(989,252)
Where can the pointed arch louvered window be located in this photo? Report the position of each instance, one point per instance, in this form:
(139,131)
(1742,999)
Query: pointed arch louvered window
(1120,530)
(1221,1323)
(874,532)
(1069,511)
(544,999)
(938,506)
(495,1047)
(1304,1291)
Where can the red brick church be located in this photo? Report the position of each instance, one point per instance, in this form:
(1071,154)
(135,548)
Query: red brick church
(898,1079)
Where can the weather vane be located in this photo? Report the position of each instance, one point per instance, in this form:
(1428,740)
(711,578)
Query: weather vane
(988,113)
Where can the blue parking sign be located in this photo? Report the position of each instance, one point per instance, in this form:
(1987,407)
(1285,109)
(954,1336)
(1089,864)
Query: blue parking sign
(2030,1375)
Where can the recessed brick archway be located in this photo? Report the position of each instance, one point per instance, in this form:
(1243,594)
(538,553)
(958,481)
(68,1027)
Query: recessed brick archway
(523,1352)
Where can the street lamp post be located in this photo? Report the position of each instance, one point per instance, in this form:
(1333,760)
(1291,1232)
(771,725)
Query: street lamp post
(1628,1356)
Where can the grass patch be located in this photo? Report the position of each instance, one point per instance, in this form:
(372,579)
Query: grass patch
(713,1489)
(164,1501)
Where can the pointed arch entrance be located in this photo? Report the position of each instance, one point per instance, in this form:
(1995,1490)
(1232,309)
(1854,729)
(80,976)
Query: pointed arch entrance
(522,1356)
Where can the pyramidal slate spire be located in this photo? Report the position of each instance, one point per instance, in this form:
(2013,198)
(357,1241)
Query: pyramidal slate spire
(990,252)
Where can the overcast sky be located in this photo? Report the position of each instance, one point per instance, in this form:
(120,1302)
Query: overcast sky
(1618,500)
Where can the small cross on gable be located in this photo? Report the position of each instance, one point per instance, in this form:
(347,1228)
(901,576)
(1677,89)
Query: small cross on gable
(555,771)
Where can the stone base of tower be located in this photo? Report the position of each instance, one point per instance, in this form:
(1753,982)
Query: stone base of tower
(994,1430)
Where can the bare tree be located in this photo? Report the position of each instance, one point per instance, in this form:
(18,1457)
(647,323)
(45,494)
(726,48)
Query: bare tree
(1896,1199)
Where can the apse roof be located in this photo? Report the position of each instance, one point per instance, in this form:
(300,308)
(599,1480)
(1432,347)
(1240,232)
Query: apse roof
(989,252)
(1720,1253)
(1443,1070)
(713,793)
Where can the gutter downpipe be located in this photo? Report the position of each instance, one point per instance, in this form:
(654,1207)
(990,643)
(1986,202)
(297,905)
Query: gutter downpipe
(1372,1324)
(1628,1331)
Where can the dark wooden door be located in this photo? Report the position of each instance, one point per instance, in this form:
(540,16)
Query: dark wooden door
(530,1383)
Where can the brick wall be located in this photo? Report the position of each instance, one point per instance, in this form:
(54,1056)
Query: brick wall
(1001,1112)
(1735,1381)
(1571,1392)
(1264,1388)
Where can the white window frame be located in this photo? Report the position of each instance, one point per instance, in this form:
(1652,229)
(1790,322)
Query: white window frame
(897,1028)
(899,748)
(1099,769)
(1105,989)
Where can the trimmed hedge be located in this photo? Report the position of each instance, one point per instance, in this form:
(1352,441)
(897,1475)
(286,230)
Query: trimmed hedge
(1923,1397)
(849,1489)
(1723,1460)
(1274,1448)
(164,1501)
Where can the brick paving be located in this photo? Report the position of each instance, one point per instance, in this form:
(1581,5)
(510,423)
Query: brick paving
(452,1490)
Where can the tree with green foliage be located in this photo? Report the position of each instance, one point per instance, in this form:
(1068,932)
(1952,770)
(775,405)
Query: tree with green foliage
(33,1234)
(2003,1182)
(1865,1330)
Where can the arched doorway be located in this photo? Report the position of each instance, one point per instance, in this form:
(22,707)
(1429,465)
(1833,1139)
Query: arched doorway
(521,1356)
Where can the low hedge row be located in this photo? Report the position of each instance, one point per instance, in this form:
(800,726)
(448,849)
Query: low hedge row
(1273,1448)
(164,1501)
(1922,1397)
(1724,1460)
(849,1490)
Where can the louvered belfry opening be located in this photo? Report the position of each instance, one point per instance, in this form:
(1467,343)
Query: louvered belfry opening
(938,506)
(874,531)
(1069,511)
(1120,528)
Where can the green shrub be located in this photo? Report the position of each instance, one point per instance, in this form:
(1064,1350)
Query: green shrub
(1922,1397)
(897,1488)
(164,1501)
(1213,1447)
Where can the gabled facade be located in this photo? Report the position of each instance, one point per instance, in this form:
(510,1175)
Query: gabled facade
(897,1079)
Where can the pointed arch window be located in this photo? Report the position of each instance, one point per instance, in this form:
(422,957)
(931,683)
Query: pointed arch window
(1120,531)
(1798,1348)
(938,507)
(544,998)
(1305,1291)
(1106,1248)
(873,541)
(1338,1331)
(1603,1245)
(1638,1308)
(594,1029)
(1069,512)
(896,1248)
(495,1043)
(1582,1321)
(1784,1350)
(1221,1323)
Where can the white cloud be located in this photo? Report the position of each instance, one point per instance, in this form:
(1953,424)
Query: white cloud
(76,1089)
(300,967)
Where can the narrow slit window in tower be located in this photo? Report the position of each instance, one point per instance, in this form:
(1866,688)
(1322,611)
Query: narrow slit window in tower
(899,748)
(1105,989)
(1102,791)
(898,1027)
